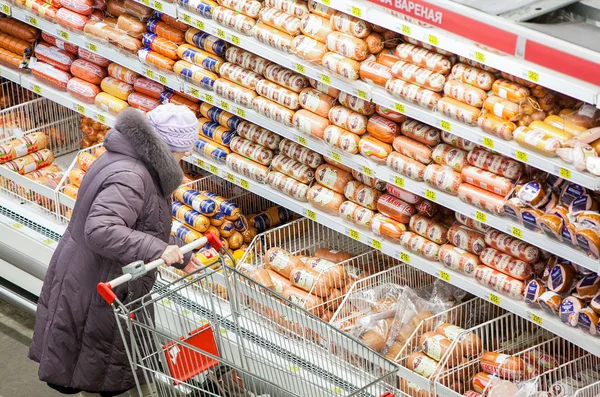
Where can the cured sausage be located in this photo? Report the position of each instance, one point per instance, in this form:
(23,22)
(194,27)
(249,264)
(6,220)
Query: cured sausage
(349,24)
(278,94)
(487,180)
(288,185)
(272,37)
(339,64)
(309,123)
(406,166)
(339,137)
(53,76)
(413,149)
(82,90)
(325,199)
(308,48)
(348,119)
(443,178)
(316,101)
(374,149)
(247,168)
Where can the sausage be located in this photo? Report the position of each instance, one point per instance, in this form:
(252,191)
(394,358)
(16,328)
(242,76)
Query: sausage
(387,228)
(466,239)
(361,194)
(512,246)
(333,177)
(109,103)
(115,7)
(369,181)
(177,99)
(374,149)
(258,135)
(443,178)
(497,164)
(412,149)
(297,8)
(250,8)
(196,75)
(52,55)
(420,132)
(51,75)
(233,92)
(70,20)
(247,60)
(506,264)
(279,20)
(413,93)
(148,87)
(395,208)
(288,185)
(316,101)
(316,27)
(503,365)
(325,199)
(508,90)
(480,198)
(309,123)
(386,59)
(122,73)
(459,142)
(402,194)
(93,58)
(164,47)
(473,76)
(11,59)
(347,46)
(375,73)
(487,180)
(537,140)
(382,129)
(272,110)
(319,9)
(16,28)
(116,88)
(406,166)
(82,90)
(414,74)
(148,57)
(324,88)
(285,77)
(428,228)
(203,8)
(224,118)
(503,108)
(345,67)
(138,10)
(358,215)
(19,147)
(239,75)
(357,104)
(390,114)
(166,31)
(375,43)
(348,119)
(500,282)
(247,168)
(308,48)
(42,9)
(420,245)
(101,30)
(311,281)
(63,45)
(333,256)
(339,137)
(88,71)
(248,149)
(212,149)
(424,58)
(131,25)
(561,135)
(143,102)
(21,47)
(465,93)
(202,40)
(451,156)
(496,126)
(278,94)
(300,153)
(272,37)
(457,259)
(458,111)
(438,347)
(281,261)
(292,168)
(30,162)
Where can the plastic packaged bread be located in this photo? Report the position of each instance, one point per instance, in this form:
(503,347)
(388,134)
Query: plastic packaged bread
(247,168)
(273,110)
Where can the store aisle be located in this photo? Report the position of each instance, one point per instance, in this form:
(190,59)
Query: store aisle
(19,374)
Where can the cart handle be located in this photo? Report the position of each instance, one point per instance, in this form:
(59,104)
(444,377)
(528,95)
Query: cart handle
(138,269)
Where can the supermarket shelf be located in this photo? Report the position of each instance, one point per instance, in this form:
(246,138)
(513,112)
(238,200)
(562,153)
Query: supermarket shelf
(469,284)
(448,41)
(369,167)
(162,6)
(10,74)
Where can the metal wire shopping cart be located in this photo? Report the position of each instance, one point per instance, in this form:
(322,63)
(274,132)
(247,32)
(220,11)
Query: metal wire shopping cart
(210,334)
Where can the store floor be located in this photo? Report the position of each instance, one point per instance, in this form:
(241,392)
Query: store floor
(18,374)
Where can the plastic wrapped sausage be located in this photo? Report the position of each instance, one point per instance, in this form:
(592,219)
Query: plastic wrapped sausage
(429,228)
(300,153)
(395,208)
(443,178)
(70,20)
(357,104)
(308,48)
(82,90)
(500,282)
(121,73)
(153,58)
(356,214)
(52,55)
(316,101)
(285,77)
(387,228)
(375,73)
(421,76)
(116,88)
(382,129)
(333,177)
(211,150)
(88,71)
(503,108)
(458,259)
(345,67)
(340,138)
(451,156)
(347,46)
(473,76)
(423,58)
(92,57)
(222,117)
(196,56)
(421,132)
(217,133)
(288,185)
(406,166)
(457,141)
(467,239)
(497,164)
(413,93)
(374,149)
(506,264)
(292,168)
(316,27)
(512,246)
(420,245)
(278,94)
(465,93)
(458,111)
(324,88)
(259,135)
(251,150)
(351,25)
(233,20)
(205,41)
(480,198)
(247,168)
(325,199)
(297,8)
(487,180)
(280,20)
(413,149)
(362,194)
(348,119)
(233,92)
(496,126)
(272,37)
(537,140)
(242,76)
(148,87)
(247,60)
(142,102)
(250,8)
(109,103)
(274,111)
(508,90)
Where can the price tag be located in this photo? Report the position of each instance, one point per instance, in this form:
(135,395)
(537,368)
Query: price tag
(522,156)
(337,390)
(356,11)
(336,156)
(564,173)
(186,18)
(37,89)
(399,181)
(326,2)
(479,56)
(361,94)
(367,171)
(405,29)
(300,68)
(354,234)
(481,216)
(222,331)
(162,79)
(16,225)
(63,34)
(488,142)
(200,163)
(224,105)
(230,177)
(47,241)
(433,40)
(310,214)
(213,170)
(244,184)
(404,257)
(517,232)
(221,34)
(146,2)
(302,140)
(240,112)
(194,92)
(495,299)
(535,318)
(376,244)
(399,107)
(445,125)
(6,9)
(200,24)
(92,47)
(429,194)
(295,369)
(208,98)
(150,74)
(101,118)
(445,276)
(79,108)
(325,79)
(533,76)
(32,21)
(158,5)
(235,40)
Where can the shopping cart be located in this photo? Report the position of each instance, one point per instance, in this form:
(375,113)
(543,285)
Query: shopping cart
(210,334)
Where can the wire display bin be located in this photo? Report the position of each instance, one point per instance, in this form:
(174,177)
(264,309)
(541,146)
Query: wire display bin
(214,324)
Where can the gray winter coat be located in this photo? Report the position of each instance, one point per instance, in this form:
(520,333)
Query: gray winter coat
(122,214)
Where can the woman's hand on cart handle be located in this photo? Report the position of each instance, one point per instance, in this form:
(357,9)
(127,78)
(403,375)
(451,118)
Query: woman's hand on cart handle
(172,254)
(138,269)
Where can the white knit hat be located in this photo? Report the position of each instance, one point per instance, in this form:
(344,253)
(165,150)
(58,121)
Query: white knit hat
(176,125)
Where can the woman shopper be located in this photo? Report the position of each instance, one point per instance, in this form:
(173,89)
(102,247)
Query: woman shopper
(122,214)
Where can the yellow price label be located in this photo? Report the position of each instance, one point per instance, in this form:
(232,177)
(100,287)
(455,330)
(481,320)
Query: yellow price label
(63,34)
(336,156)
(200,24)
(479,56)
(445,125)
(337,390)
(79,108)
(565,173)
(162,79)
(399,181)
(481,216)
(405,257)
(325,79)
(361,94)
(244,184)
(92,47)
(488,142)
(224,105)
(295,369)
(536,319)
(310,214)
(222,331)
(367,171)
(399,107)
(32,21)
(356,11)
(522,156)
(517,232)
(146,2)
(433,40)
(235,40)
(6,9)
(300,68)
(444,275)
(101,118)
(37,89)
(194,92)
(302,140)
(354,234)
(158,5)
(221,34)
(377,244)
(326,2)
(186,18)
(208,98)
(240,112)
(230,177)
(213,170)
(495,299)
(17,225)
(533,76)
(47,241)
(150,74)
(200,163)
(430,194)
(405,29)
